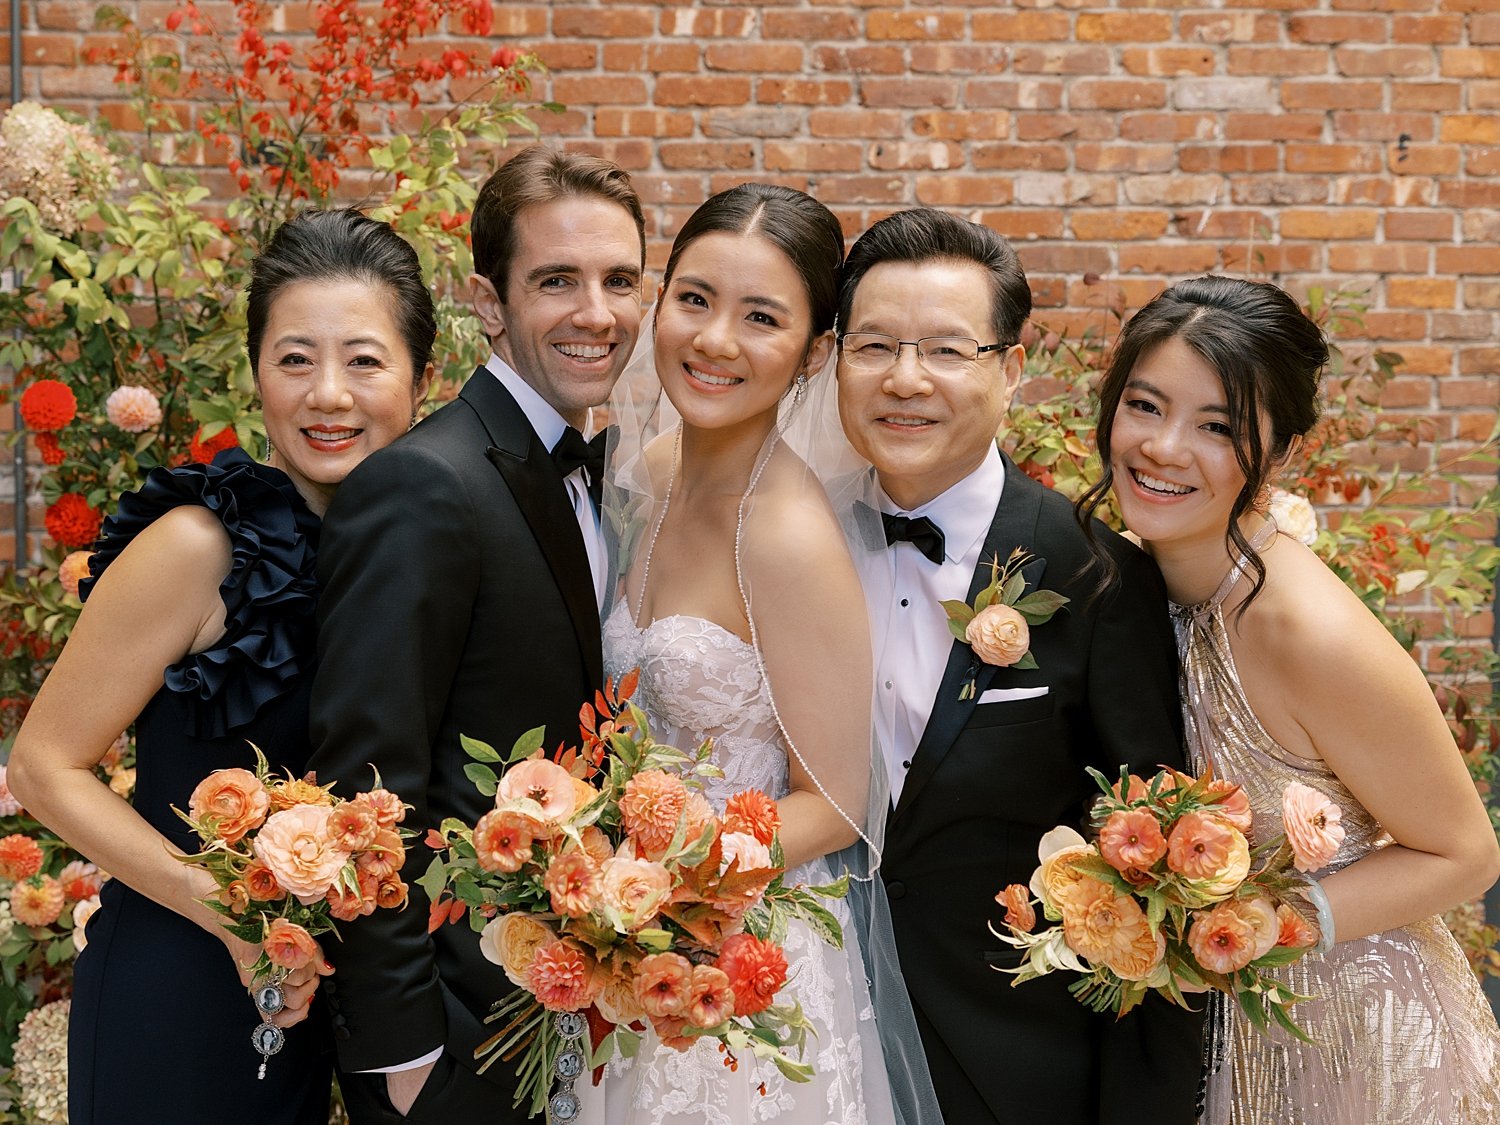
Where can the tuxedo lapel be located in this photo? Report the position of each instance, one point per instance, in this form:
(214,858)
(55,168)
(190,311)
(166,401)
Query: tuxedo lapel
(1014,525)
(539,492)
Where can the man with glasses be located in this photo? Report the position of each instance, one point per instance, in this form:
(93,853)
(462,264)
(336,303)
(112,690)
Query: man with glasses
(982,760)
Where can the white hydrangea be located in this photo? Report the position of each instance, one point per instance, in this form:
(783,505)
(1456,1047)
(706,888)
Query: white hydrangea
(41,1069)
(7,921)
(1294,515)
(57,165)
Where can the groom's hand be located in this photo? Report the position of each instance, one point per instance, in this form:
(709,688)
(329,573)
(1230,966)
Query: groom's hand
(403,1086)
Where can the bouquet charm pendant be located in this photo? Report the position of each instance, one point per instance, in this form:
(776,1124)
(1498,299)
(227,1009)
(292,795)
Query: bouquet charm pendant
(563,1105)
(267,1038)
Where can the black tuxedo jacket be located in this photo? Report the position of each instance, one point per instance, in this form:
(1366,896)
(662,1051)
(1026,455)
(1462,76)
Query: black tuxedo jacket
(457,599)
(986,781)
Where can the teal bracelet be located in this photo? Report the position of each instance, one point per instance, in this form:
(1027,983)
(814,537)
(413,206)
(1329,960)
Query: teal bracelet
(1319,901)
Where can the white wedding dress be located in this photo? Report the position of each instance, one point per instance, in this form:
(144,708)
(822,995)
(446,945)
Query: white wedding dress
(698,680)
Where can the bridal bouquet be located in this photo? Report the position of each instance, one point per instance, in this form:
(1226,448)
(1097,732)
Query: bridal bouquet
(609,891)
(291,859)
(1171,898)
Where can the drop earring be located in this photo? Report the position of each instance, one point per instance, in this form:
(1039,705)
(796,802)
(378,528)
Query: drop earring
(801,388)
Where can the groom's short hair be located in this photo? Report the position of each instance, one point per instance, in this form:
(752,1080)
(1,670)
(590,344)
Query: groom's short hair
(535,175)
(925,234)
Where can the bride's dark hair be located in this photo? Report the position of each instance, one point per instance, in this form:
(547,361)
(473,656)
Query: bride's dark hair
(793,221)
(1268,356)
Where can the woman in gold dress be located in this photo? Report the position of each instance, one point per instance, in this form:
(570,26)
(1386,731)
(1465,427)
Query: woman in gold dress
(1286,676)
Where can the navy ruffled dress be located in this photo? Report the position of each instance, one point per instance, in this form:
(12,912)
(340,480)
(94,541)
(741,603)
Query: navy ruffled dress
(160,1027)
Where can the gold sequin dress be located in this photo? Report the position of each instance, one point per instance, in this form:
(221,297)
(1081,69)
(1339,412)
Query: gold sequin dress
(1403,1032)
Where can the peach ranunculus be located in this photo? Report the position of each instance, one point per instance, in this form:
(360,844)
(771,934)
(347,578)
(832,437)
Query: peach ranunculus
(511,941)
(999,635)
(663,985)
(1312,825)
(1018,910)
(235,896)
(295,845)
(1112,930)
(345,905)
(389,810)
(235,801)
(1202,845)
(288,945)
(756,970)
(1260,912)
(1133,789)
(632,892)
(1057,881)
(391,893)
(1293,930)
(1223,939)
(596,843)
(546,783)
(503,839)
(1131,838)
(573,881)
(385,856)
(746,850)
(615,998)
(669,1029)
(710,999)
(561,976)
(299,791)
(753,812)
(261,883)
(1234,807)
(650,807)
(584,794)
(353,826)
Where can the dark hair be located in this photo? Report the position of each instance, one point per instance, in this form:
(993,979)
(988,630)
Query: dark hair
(535,175)
(792,221)
(1268,355)
(924,234)
(342,245)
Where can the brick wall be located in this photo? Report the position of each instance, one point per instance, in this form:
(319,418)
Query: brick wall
(1314,142)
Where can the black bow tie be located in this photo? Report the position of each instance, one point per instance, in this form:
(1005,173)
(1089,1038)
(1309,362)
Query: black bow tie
(573,452)
(920,532)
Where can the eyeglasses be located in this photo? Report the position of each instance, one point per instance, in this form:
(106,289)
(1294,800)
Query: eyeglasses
(942,355)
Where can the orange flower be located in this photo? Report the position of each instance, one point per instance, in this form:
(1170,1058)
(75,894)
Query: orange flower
(1134,789)
(1018,912)
(202,449)
(663,985)
(710,999)
(1062,884)
(1235,807)
(752,811)
(1293,930)
(650,806)
(37,901)
(1260,912)
(353,826)
(80,880)
(544,782)
(391,894)
(346,905)
(756,970)
(72,521)
(288,945)
(20,857)
(1112,930)
(998,634)
(502,840)
(511,941)
(235,896)
(1131,838)
(384,857)
(699,815)
(231,802)
(632,891)
(299,791)
(670,1030)
(573,882)
(596,843)
(561,977)
(73,569)
(389,810)
(48,405)
(616,998)
(583,793)
(1223,940)
(1312,824)
(294,844)
(1202,845)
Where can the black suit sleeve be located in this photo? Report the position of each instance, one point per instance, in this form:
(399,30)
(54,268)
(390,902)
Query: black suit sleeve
(399,571)
(1137,715)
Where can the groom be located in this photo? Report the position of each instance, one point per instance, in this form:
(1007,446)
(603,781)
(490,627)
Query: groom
(463,571)
(930,311)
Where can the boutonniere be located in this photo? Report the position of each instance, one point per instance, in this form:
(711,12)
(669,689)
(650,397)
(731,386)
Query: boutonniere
(997,627)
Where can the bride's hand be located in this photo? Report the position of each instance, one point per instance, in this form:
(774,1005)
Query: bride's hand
(297,988)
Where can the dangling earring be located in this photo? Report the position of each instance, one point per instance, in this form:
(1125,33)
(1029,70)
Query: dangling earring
(410,425)
(270,449)
(1262,502)
(801,388)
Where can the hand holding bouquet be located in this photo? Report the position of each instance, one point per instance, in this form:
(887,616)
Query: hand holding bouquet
(1171,898)
(290,859)
(608,889)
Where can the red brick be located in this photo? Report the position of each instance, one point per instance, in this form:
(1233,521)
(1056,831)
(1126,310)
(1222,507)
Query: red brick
(1279,127)
(886,156)
(1009,93)
(1481,226)
(1167,62)
(1013,157)
(631,155)
(752,121)
(1468,260)
(916,93)
(1091,157)
(61,15)
(1064,257)
(1389,257)
(1467,195)
(708,155)
(1169,126)
(956,125)
(915,25)
(950,190)
(1228,27)
(1229,158)
(1331,223)
(1333,95)
(1184,259)
(1419,226)
(1338,29)
(858,124)
(1104,93)
(801,156)
(48,50)
(1277,60)
(1060,60)
(1117,224)
(803,91)
(1064,126)
(1471,128)
(808,26)
(1022,26)
(1124,27)
(712,23)
(608,23)
(1484,27)
(568,56)
(597,89)
(1464,326)
(672,90)
(1471,392)
(1482,94)
(1482,294)
(1469,62)
(1482,161)
(1421,292)
(956,58)
(1333,158)
(1436,29)
(1400,62)
(862,189)
(861,60)
(1427,95)
(657,188)
(772,57)
(1394,325)
(1423,160)
(1174,190)
(1221,223)
(1357,126)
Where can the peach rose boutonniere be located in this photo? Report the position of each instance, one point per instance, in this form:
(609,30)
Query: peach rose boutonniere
(997,627)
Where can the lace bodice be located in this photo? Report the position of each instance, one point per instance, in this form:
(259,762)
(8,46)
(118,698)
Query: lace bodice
(699,680)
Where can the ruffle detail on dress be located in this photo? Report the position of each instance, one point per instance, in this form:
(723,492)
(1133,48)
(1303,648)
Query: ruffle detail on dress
(270,593)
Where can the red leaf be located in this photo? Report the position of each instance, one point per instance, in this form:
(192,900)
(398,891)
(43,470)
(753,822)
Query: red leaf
(628,683)
(456,911)
(435,840)
(438,913)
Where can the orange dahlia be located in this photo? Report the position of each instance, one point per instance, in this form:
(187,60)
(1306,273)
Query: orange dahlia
(52,453)
(650,806)
(562,977)
(20,857)
(37,901)
(48,405)
(756,970)
(73,522)
(751,811)
(202,449)
(73,569)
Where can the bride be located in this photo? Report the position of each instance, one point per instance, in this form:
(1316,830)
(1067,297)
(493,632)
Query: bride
(743,611)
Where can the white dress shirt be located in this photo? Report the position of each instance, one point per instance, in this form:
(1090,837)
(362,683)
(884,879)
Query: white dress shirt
(910,627)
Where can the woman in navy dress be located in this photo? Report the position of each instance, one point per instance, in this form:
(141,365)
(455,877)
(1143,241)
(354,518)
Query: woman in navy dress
(199,628)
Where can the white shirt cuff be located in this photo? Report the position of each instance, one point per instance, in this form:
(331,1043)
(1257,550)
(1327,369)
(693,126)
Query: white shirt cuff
(431,1056)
